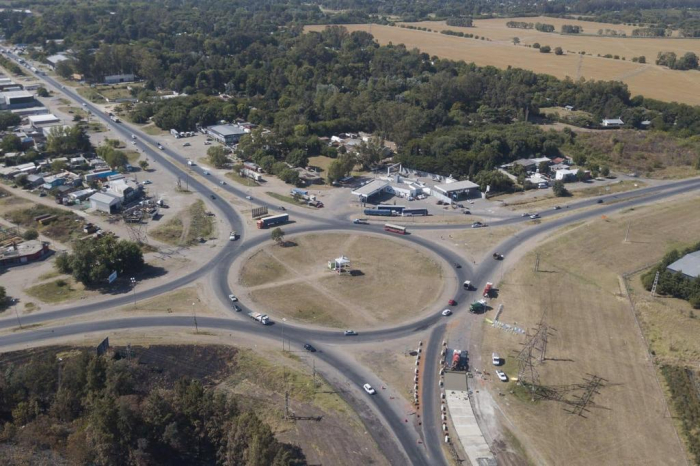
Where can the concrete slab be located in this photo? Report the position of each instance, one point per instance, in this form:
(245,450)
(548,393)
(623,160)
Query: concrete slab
(466,427)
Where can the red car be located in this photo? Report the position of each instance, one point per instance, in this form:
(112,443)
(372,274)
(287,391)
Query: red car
(452,302)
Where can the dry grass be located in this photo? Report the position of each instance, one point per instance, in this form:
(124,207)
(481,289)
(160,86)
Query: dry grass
(187,228)
(305,289)
(648,80)
(182,301)
(57,291)
(579,290)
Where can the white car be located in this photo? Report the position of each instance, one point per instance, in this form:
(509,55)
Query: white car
(222,182)
(495,359)
(147,182)
(249,198)
(525,214)
(535,216)
(368,388)
(232,237)
(502,376)
(349,333)
(232,298)
(84,104)
(133,136)
(447,312)
(206,172)
(133,142)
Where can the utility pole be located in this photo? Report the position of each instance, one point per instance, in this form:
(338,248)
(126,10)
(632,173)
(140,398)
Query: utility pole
(133,289)
(194,314)
(314,376)
(627,234)
(537,262)
(19,322)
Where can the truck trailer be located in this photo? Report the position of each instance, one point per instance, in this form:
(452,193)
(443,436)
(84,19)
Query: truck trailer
(260,317)
(381,213)
(273,220)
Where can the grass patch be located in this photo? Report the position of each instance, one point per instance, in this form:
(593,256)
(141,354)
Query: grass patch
(56,291)
(29,307)
(186,229)
(64,227)
(176,301)
(287,199)
(49,275)
(233,175)
(132,155)
(91,94)
(684,385)
(74,111)
(153,130)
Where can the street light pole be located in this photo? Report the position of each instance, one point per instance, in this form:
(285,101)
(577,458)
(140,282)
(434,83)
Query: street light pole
(194,314)
(133,289)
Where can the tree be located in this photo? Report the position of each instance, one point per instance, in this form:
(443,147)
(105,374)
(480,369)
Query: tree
(93,261)
(689,61)
(581,175)
(67,140)
(536,45)
(370,153)
(604,170)
(543,168)
(516,40)
(3,296)
(558,51)
(30,234)
(8,119)
(113,157)
(22,181)
(11,143)
(297,158)
(58,166)
(559,189)
(340,167)
(545,49)
(289,176)
(64,69)
(217,156)
(277,235)
(143,164)
(42,92)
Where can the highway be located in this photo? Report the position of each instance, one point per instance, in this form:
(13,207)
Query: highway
(400,442)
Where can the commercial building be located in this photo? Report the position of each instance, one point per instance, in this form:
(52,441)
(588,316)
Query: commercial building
(688,265)
(612,123)
(54,60)
(227,134)
(23,253)
(371,189)
(104,202)
(40,121)
(449,192)
(16,99)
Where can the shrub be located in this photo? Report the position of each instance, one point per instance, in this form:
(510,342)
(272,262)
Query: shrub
(30,234)
(545,49)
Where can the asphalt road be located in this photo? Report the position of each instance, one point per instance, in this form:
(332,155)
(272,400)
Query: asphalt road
(431,452)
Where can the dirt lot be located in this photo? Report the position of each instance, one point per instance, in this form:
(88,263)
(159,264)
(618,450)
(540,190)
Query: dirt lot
(580,292)
(649,80)
(187,227)
(305,289)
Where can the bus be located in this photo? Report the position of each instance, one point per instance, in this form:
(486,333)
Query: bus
(392,208)
(395,229)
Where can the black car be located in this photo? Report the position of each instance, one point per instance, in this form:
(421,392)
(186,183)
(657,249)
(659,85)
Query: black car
(600,201)
(310,348)
(236,308)
(213,197)
(458,266)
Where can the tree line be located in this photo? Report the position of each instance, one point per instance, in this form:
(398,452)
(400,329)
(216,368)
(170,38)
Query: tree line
(689,61)
(89,409)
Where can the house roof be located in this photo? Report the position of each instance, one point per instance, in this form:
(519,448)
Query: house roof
(615,121)
(688,265)
(47,118)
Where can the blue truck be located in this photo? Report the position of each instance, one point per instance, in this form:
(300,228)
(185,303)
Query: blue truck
(274,220)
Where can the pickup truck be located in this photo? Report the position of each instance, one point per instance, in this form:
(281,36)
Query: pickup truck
(360,221)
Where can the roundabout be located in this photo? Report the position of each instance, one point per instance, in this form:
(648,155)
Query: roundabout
(383,280)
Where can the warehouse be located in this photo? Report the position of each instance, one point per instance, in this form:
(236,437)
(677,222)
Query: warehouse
(688,265)
(227,134)
(104,202)
(449,192)
(119,78)
(40,121)
(16,99)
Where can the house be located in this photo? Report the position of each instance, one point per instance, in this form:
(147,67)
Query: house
(528,164)
(612,123)
(54,181)
(566,174)
(81,195)
(78,161)
(569,108)
(104,202)
(227,134)
(119,78)
(559,166)
(34,181)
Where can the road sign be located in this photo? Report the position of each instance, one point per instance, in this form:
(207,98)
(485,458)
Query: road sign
(113,276)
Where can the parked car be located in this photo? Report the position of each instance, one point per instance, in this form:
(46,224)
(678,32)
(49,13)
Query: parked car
(447,312)
(502,376)
(187,144)
(368,388)
(147,182)
(310,348)
(232,298)
(495,359)
(349,333)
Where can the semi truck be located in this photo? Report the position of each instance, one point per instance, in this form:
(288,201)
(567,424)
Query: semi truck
(382,213)
(273,220)
(414,212)
(487,290)
(260,317)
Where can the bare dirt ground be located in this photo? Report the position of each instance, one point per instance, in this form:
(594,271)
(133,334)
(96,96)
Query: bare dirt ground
(306,290)
(580,293)
(645,79)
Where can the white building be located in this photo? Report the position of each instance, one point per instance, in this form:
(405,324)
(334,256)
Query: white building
(372,188)
(566,174)
(120,78)
(39,121)
(451,191)
(105,202)
(612,123)
(54,60)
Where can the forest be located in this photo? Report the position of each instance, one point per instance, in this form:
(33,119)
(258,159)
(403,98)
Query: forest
(307,86)
(108,410)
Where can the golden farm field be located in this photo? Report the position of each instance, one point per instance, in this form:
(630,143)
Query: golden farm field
(645,79)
